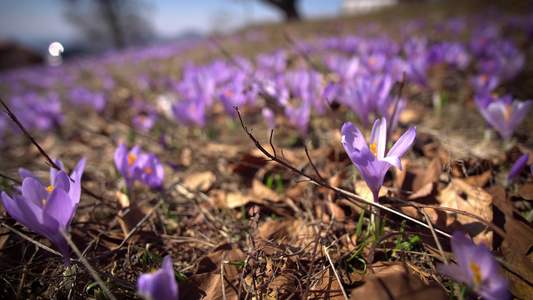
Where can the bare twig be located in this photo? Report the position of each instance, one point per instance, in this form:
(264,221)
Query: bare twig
(311,265)
(31,240)
(439,246)
(312,164)
(346,194)
(49,161)
(89,268)
(335,272)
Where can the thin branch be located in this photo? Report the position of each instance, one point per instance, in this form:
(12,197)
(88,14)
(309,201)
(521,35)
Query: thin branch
(335,272)
(348,195)
(89,268)
(29,239)
(49,161)
(312,164)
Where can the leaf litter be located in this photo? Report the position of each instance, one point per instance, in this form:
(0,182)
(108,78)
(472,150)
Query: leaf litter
(240,226)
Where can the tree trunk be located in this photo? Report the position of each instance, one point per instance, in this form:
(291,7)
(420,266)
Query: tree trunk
(288,7)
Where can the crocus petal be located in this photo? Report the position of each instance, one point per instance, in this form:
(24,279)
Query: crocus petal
(454,272)
(78,170)
(57,215)
(121,159)
(26,213)
(62,181)
(394,160)
(59,207)
(160,285)
(379,135)
(34,191)
(518,112)
(518,166)
(405,141)
(494,114)
(370,168)
(27,216)
(27,173)
(352,138)
(53,171)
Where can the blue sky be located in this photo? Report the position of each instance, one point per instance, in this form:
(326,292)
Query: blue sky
(36,21)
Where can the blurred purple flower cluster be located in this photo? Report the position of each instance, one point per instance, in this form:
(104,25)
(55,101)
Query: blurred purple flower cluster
(361,67)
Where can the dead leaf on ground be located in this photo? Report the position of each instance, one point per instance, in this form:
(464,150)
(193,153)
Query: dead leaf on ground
(328,287)
(294,231)
(463,196)
(362,189)
(199,181)
(207,282)
(128,215)
(516,247)
(397,281)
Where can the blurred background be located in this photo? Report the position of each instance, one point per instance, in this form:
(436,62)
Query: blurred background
(39,31)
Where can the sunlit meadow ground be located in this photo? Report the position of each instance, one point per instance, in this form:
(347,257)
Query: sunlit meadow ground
(222,202)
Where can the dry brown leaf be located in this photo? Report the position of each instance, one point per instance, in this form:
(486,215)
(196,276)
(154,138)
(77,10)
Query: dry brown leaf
(516,247)
(477,202)
(479,180)
(525,192)
(397,281)
(292,231)
(328,287)
(128,215)
(207,282)
(234,199)
(361,189)
(199,181)
(263,192)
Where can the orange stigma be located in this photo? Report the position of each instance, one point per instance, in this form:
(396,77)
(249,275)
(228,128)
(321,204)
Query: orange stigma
(148,170)
(477,273)
(44,201)
(373,148)
(49,189)
(131,158)
(507,114)
(228,93)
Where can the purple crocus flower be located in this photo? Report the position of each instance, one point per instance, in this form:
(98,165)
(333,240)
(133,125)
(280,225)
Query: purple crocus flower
(46,209)
(371,160)
(518,167)
(160,284)
(134,165)
(484,83)
(124,161)
(149,170)
(190,112)
(476,268)
(145,117)
(504,115)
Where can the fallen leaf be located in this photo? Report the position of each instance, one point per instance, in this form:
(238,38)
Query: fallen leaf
(397,281)
(128,215)
(361,189)
(207,281)
(463,196)
(328,287)
(516,247)
(199,181)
